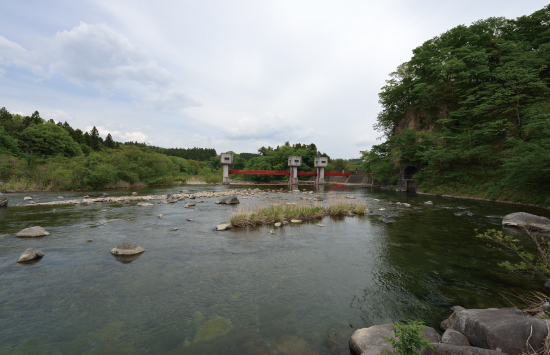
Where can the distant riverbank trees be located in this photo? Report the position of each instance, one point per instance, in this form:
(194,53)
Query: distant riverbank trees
(472,110)
(36,154)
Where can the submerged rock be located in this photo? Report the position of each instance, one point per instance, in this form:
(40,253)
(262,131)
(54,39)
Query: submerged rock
(526,220)
(213,328)
(190,204)
(127,249)
(32,232)
(30,254)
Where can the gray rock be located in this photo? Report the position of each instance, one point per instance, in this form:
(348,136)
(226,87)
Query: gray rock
(145,204)
(223,226)
(506,329)
(453,337)
(372,340)
(277,224)
(190,204)
(27,198)
(30,254)
(32,232)
(451,349)
(526,220)
(231,200)
(546,309)
(3,200)
(127,249)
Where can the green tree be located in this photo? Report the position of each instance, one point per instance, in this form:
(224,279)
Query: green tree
(48,139)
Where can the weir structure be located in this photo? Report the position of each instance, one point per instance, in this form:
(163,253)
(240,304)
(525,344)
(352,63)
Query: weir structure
(294,162)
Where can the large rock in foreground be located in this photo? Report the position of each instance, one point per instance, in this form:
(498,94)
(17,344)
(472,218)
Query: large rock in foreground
(127,249)
(32,232)
(231,200)
(3,200)
(506,329)
(30,254)
(372,340)
(527,220)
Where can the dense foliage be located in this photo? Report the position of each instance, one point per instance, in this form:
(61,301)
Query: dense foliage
(39,154)
(471,109)
(190,153)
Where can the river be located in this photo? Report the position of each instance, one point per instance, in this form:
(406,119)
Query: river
(299,289)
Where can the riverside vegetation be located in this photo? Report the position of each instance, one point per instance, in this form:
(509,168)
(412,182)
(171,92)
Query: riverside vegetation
(471,110)
(287,212)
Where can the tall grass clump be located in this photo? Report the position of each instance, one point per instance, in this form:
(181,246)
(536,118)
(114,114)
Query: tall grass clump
(257,216)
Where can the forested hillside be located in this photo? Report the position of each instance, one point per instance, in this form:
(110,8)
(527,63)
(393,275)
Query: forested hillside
(36,154)
(471,109)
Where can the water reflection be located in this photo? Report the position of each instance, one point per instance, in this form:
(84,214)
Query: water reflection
(247,291)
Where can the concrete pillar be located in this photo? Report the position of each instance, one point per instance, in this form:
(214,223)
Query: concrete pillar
(320,163)
(320,178)
(226,174)
(295,176)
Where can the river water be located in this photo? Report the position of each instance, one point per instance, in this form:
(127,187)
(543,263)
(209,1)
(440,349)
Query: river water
(302,289)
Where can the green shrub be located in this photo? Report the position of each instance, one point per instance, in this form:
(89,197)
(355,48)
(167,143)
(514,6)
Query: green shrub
(409,339)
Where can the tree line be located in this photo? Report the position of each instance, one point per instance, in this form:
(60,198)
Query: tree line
(479,100)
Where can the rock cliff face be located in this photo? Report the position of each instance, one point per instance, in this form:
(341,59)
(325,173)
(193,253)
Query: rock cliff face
(418,120)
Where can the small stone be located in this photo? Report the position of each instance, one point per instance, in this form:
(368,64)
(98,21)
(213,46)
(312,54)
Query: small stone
(60,197)
(350,197)
(546,308)
(30,254)
(174,229)
(190,219)
(32,232)
(127,248)
(382,209)
(160,215)
(86,196)
(145,204)
(27,198)
(278,224)
(134,193)
(89,240)
(190,204)
(320,225)
(376,199)
(271,231)
(428,203)
(295,221)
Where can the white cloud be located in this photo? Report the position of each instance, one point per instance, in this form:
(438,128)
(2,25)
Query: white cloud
(136,136)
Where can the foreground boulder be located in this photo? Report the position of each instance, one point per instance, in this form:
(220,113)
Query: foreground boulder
(3,200)
(127,249)
(527,220)
(451,349)
(506,330)
(30,254)
(372,340)
(231,200)
(32,232)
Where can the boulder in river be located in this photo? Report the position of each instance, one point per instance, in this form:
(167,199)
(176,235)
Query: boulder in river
(27,198)
(506,329)
(32,232)
(127,249)
(223,226)
(231,200)
(145,204)
(30,254)
(527,220)
(190,204)
(3,200)
(372,340)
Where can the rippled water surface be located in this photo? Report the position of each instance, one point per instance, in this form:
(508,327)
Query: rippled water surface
(299,290)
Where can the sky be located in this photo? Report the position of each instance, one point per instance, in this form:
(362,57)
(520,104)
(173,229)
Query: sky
(231,75)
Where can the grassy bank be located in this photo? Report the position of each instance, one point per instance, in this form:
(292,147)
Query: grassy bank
(248,216)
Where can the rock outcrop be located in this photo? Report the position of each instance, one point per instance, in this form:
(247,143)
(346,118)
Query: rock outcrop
(223,226)
(527,220)
(30,254)
(3,200)
(32,232)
